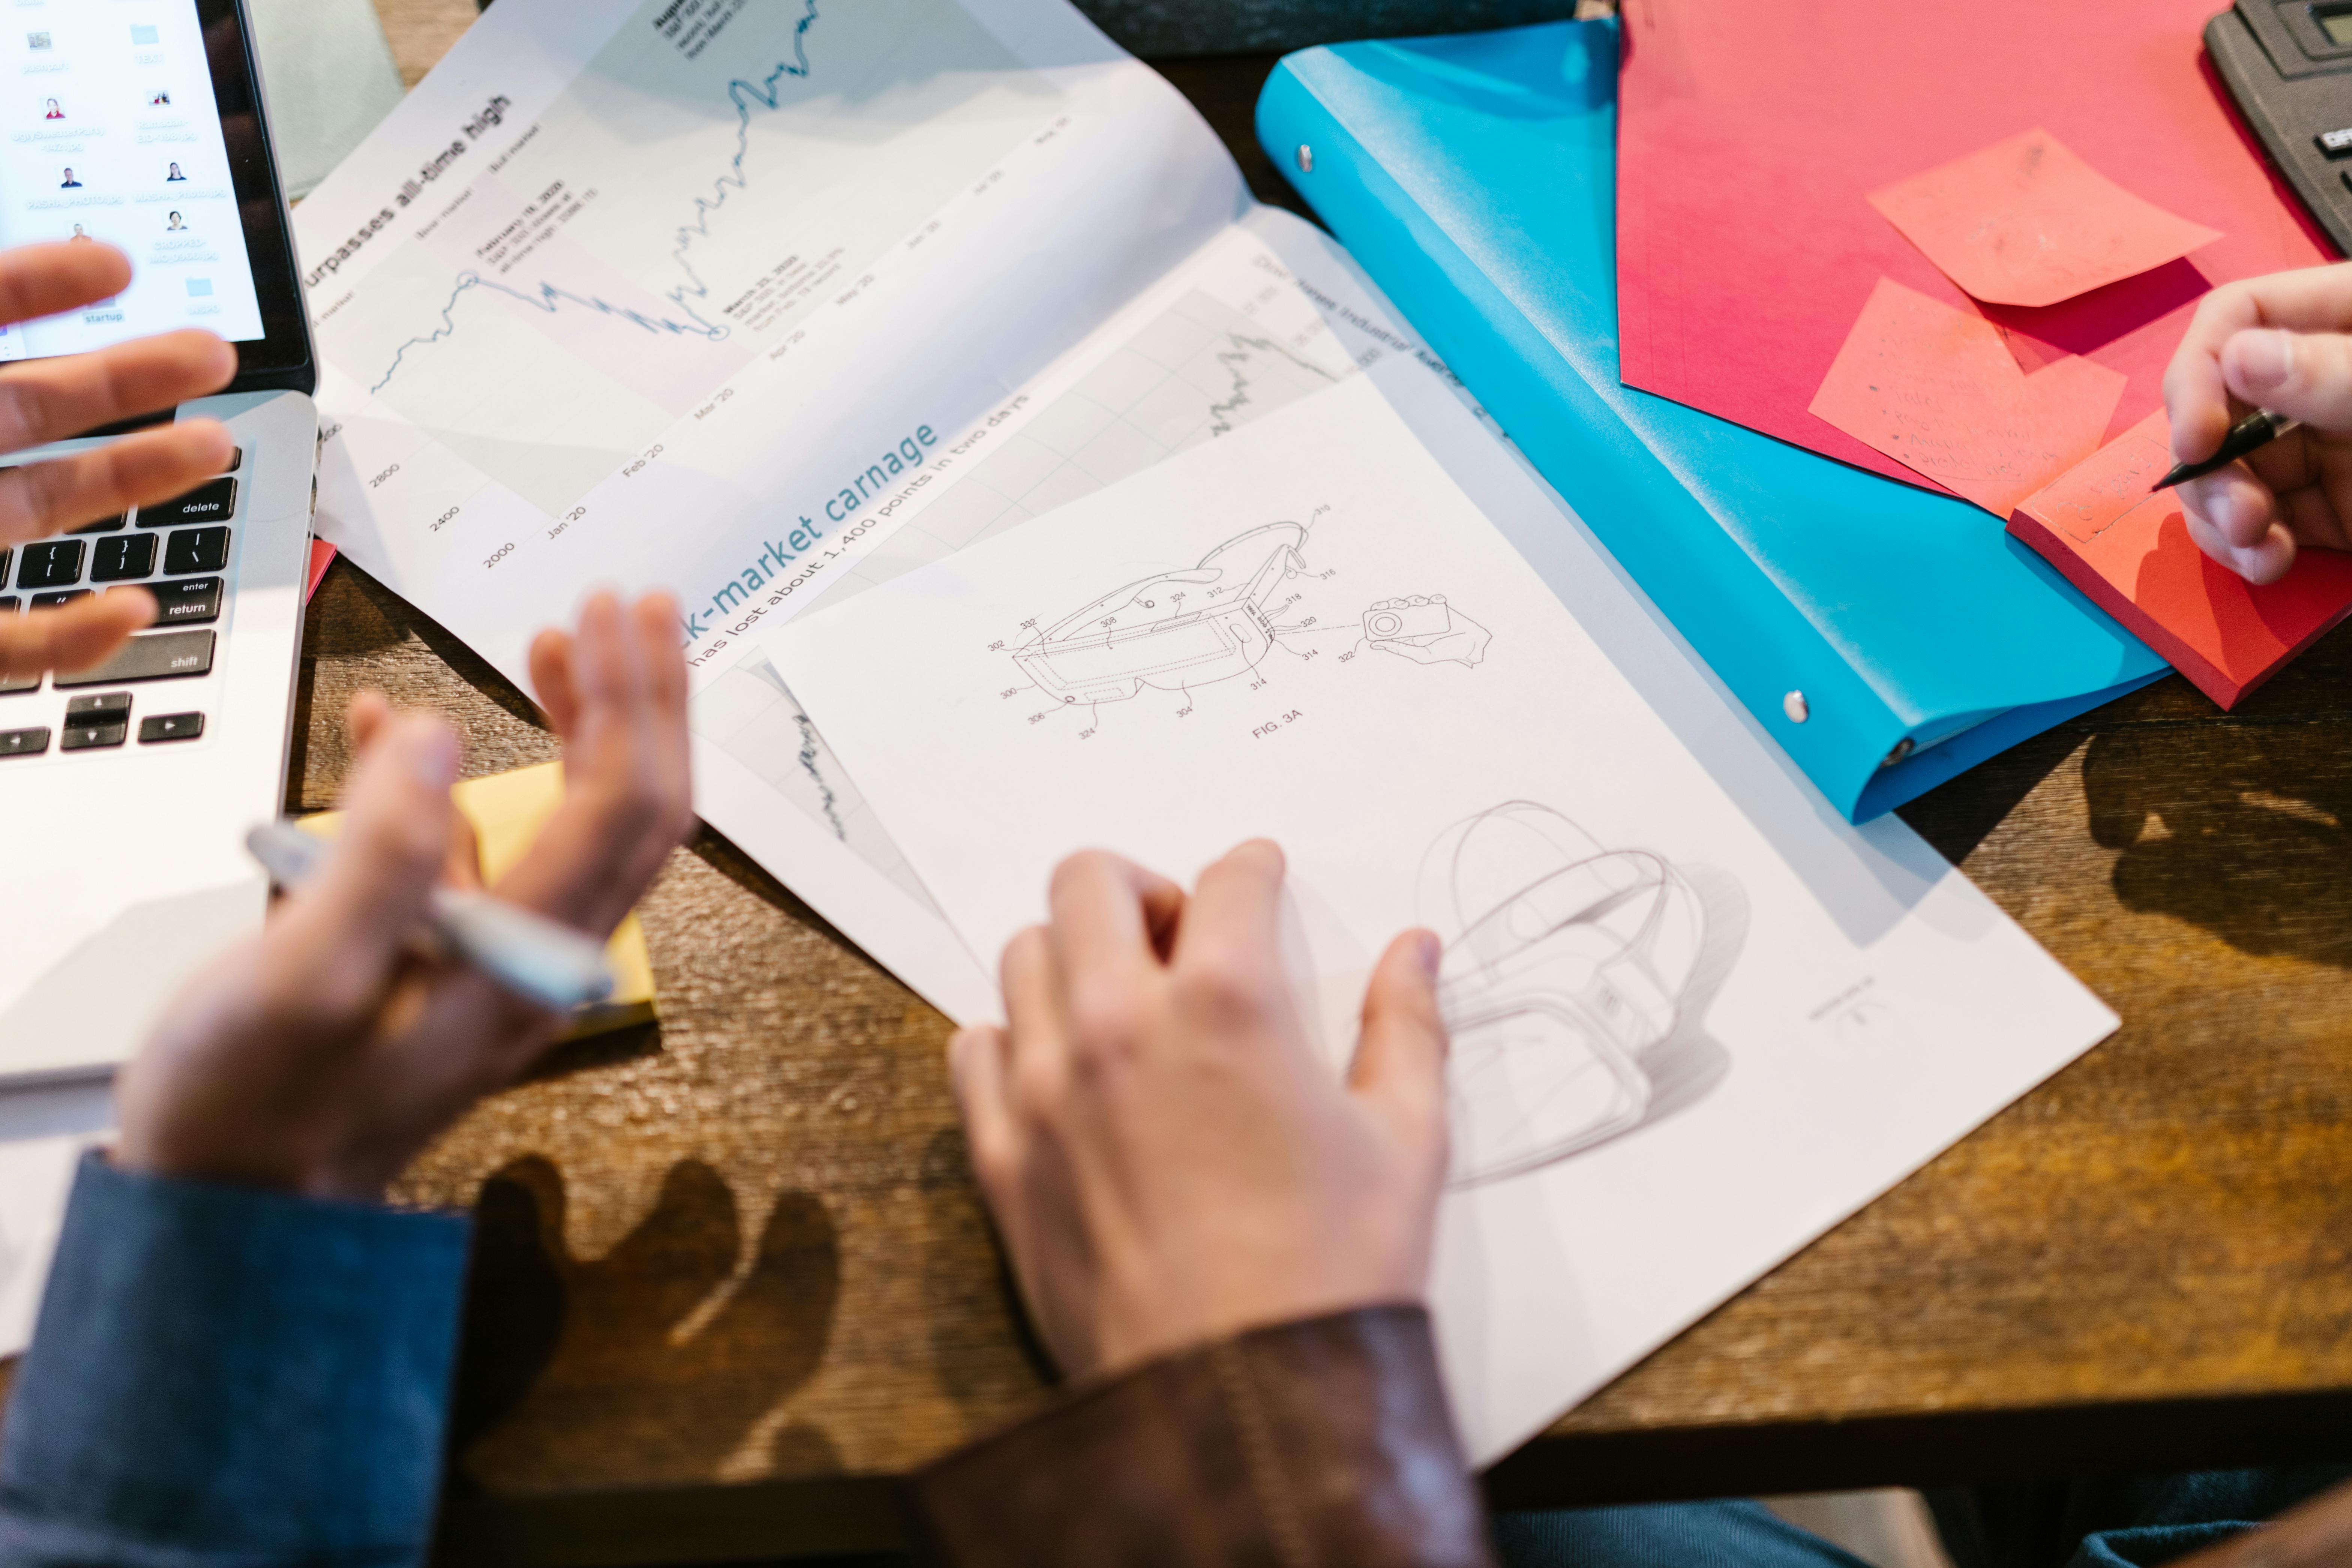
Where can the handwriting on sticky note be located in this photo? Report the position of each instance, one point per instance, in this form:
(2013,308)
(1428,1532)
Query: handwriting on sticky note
(2130,551)
(2098,492)
(2025,222)
(1937,390)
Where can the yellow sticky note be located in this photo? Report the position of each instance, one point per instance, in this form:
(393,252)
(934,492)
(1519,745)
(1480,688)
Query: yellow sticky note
(507,810)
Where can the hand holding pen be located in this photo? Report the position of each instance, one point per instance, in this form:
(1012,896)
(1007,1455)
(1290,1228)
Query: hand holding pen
(540,960)
(322,1055)
(2265,371)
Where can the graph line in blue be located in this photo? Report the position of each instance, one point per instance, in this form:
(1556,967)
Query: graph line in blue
(768,94)
(548,297)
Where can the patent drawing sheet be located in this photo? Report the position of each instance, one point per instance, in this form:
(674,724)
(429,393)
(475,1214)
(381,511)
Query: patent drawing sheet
(1225,337)
(1692,1031)
(709,297)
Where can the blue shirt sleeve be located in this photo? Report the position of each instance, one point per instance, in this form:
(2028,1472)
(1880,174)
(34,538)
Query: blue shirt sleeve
(225,1376)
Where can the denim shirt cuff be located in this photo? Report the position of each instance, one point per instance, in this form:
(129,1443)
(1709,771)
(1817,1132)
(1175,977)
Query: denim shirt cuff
(227,1374)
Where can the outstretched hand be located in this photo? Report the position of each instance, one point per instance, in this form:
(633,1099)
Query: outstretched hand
(50,399)
(1167,1159)
(2282,342)
(323,1054)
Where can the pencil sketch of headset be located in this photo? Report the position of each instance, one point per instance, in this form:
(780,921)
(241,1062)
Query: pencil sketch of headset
(1174,630)
(1565,965)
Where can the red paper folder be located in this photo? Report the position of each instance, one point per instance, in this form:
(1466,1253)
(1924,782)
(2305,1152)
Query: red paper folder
(2130,551)
(1752,137)
(322,555)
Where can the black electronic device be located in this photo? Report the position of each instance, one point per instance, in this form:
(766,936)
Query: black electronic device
(282,356)
(142,126)
(2288,64)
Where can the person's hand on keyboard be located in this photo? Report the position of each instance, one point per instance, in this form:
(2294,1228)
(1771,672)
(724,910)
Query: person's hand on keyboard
(322,1055)
(48,400)
(2282,342)
(1168,1158)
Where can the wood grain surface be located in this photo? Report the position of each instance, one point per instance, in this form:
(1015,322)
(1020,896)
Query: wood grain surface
(732,1276)
(421,31)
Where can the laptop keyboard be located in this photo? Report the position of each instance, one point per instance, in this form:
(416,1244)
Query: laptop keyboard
(178,550)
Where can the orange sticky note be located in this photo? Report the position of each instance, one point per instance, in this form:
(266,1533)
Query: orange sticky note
(1937,389)
(2025,222)
(2131,552)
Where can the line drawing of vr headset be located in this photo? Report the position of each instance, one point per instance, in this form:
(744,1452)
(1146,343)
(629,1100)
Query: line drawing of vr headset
(1564,964)
(1174,630)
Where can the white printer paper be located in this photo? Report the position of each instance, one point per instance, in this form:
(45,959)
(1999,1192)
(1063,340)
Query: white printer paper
(701,296)
(1676,1059)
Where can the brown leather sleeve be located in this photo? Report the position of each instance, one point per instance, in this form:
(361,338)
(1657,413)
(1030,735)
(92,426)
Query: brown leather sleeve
(1322,1444)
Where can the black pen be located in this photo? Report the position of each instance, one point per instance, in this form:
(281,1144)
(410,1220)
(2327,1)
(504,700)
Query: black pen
(2255,431)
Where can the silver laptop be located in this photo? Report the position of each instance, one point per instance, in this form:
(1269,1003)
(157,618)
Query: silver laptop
(127,788)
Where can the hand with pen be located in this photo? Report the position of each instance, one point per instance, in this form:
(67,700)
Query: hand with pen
(319,1056)
(48,400)
(2282,345)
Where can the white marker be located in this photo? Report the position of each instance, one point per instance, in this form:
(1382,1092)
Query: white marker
(531,955)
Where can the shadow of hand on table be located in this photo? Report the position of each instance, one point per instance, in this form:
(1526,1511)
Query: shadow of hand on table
(983,1348)
(651,1364)
(2244,832)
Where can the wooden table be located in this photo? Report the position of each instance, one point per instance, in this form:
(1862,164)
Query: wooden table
(734,1279)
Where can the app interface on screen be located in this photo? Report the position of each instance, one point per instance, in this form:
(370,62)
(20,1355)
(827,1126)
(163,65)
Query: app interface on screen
(110,135)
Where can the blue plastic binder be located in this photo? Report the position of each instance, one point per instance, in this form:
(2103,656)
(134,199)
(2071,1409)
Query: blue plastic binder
(1887,638)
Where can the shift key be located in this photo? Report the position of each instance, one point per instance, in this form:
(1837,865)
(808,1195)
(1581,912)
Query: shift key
(158,656)
(186,603)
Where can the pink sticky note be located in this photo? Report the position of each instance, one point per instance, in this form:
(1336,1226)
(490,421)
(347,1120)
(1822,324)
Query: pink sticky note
(2025,222)
(1937,390)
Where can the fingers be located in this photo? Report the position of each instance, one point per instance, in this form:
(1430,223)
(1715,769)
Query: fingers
(2266,560)
(979,1065)
(364,721)
(550,679)
(347,931)
(655,616)
(1400,1067)
(1030,979)
(617,692)
(364,718)
(52,496)
(2195,395)
(2242,520)
(1111,918)
(2314,514)
(2234,519)
(73,638)
(2307,375)
(38,280)
(2235,505)
(50,399)
(1231,925)
(607,679)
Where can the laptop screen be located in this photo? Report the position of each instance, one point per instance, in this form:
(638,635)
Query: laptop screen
(117,131)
